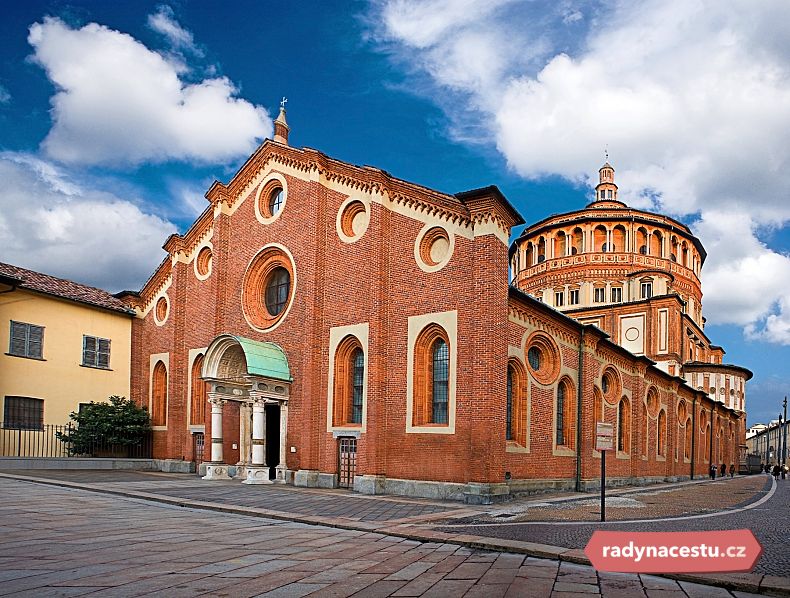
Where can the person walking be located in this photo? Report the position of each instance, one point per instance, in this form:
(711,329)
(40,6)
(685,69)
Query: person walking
(732,470)
(777,470)
(712,471)
(723,470)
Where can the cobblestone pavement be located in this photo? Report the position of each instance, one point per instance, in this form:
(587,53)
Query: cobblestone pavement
(69,542)
(642,503)
(769,521)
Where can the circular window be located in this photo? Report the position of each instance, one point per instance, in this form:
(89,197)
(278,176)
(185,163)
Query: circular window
(278,287)
(433,248)
(352,220)
(610,385)
(203,263)
(270,199)
(268,288)
(543,357)
(160,310)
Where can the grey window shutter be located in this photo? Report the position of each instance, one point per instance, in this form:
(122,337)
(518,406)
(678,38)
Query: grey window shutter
(18,344)
(103,355)
(89,350)
(35,341)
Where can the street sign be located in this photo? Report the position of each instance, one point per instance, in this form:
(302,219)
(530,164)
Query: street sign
(604,437)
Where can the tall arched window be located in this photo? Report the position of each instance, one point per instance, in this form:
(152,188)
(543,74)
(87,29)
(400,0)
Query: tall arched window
(509,414)
(358,361)
(198,398)
(349,383)
(687,444)
(516,403)
(662,433)
(159,395)
(431,382)
(441,381)
(597,406)
(623,426)
(563,434)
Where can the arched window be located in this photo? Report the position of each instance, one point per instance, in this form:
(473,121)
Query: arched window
(198,398)
(349,383)
(655,244)
(623,426)
(564,417)
(597,406)
(441,381)
(159,395)
(662,434)
(516,403)
(600,238)
(618,239)
(578,241)
(431,377)
(687,444)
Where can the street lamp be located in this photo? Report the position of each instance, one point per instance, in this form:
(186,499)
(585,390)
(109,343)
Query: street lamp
(784,441)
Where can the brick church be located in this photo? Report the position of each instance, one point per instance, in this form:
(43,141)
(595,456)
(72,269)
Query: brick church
(325,324)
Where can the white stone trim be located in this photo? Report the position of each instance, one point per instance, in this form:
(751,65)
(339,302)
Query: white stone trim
(193,353)
(339,219)
(418,241)
(337,334)
(193,258)
(517,353)
(272,176)
(290,256)
(165,359)
(448,320)
(161,295)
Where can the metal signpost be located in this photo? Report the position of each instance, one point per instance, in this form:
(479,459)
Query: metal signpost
(604,441)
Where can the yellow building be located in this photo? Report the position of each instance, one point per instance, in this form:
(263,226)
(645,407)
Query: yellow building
(63,344)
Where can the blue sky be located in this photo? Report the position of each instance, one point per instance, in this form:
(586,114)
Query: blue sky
(115,117)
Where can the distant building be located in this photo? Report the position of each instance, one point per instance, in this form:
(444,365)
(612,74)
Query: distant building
(352,329)
(64,343)
(768,442)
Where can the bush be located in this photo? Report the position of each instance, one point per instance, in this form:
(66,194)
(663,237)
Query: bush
(113,427)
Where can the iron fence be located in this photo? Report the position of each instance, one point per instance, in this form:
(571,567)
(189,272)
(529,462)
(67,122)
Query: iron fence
(43,440)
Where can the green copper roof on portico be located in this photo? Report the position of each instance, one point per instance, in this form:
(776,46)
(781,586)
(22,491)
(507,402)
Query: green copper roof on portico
(265,359)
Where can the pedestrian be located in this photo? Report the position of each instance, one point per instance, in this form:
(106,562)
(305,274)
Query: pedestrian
(768,468)
(777,471)
(723,470)
(762,467)
(732,470)
(712,471)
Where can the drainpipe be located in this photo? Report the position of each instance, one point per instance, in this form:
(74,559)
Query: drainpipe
(693,436)
(579,414)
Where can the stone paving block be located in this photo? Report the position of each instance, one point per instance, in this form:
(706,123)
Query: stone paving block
(348,587)
(522,587)
(664,593)
(499,576)
(653,582)
(487,591)
(144,586)
(259,569)
(419,585)
(293,590)
(468,571)
(409,572)
(508,561)
(380,589)
(569,586)
(695,590)
(449,587)
(532,571)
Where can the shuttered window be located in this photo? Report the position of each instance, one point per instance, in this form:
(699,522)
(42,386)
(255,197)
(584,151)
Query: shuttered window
(26,340)
(95,352)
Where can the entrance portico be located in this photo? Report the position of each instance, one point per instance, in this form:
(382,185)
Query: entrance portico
(256,375)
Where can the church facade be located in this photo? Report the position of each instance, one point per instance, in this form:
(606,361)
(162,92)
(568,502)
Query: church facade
(324,324)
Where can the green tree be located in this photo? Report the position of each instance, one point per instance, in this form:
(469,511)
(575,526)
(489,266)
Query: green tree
(113,427)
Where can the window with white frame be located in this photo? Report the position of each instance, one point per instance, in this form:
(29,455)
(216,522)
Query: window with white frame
(95,352)
(559,298)
(599,294)
(617,294)
(573,297)
(647,289)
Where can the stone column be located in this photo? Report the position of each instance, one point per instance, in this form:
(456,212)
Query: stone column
(281,468)
(216,469)
(245,437)
(257,472)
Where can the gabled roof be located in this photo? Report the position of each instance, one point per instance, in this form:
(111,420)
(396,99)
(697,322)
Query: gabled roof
(30,280)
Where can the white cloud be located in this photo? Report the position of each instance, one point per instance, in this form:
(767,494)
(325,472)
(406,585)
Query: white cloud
(117,102)
(5,96)
(692,99)
(163,21)
(52,225)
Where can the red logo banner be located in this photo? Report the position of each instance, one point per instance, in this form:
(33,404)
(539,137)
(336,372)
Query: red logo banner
(730,551)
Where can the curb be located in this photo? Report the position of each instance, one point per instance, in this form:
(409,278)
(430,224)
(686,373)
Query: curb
(756,583)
